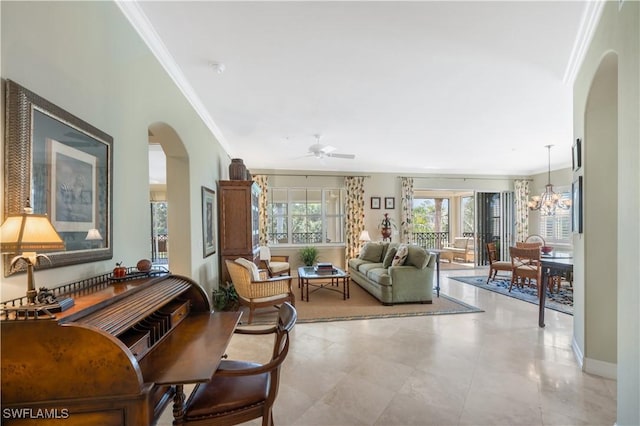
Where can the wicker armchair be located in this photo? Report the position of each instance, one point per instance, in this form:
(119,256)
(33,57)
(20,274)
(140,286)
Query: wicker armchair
(262,293)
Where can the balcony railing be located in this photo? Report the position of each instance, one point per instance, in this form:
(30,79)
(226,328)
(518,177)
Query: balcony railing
(431,240)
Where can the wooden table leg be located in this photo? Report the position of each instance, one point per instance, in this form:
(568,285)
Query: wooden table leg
(178,402)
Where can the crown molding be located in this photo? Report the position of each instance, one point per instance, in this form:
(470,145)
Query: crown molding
(588,23)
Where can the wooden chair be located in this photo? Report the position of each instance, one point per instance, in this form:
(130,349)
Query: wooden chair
(275,264)
(496,265)
(259,293)
(525,266)
(240,391)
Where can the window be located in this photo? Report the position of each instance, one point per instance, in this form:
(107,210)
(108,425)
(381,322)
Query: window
(305,215)
(556,229)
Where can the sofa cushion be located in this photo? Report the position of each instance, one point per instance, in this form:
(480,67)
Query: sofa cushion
(372,252)
(355,263)
(366,267)
(388,258)
(417,257)
(401,255)
(380,276)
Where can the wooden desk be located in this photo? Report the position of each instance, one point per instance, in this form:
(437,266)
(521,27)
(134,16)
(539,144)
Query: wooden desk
(558,262)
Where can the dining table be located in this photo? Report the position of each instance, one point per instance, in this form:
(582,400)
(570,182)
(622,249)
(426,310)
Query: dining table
(552,264)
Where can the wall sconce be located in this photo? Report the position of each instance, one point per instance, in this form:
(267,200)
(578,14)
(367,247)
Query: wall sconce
(27,233)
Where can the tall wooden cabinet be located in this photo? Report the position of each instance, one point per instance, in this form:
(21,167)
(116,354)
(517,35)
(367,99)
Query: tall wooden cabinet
(238,222)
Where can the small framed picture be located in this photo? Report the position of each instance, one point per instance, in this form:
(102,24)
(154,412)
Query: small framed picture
(375,202)
(576,155)
(208,222)
(389,203)
(576,205)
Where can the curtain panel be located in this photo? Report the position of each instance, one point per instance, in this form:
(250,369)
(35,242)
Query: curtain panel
(263,183)
(406,210)
(354,215)
(521,200)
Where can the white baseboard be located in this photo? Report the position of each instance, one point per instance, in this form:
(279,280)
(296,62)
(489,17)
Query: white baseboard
(604,369)
(577,352)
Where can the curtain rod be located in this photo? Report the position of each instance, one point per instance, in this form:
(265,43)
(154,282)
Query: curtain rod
(464,178)
(308,175)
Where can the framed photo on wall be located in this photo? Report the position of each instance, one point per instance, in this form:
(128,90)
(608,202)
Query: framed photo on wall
(389,203)
(208,223)
(576,193)
(375,202)
(63,167)
(576,155)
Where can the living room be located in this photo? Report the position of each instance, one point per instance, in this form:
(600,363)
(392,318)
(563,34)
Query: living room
(96,66)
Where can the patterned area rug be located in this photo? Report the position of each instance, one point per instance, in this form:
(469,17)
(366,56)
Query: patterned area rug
(326,305)
(561,302)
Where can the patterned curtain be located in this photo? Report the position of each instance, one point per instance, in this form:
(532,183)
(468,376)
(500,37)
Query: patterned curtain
(406,210)
(263,183)
(354,215)
(521,199)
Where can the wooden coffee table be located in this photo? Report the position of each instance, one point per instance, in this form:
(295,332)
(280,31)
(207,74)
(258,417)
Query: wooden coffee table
(307,276)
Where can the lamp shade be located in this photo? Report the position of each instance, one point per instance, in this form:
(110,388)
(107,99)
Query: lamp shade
(29,232)
(364,236)
(93,235)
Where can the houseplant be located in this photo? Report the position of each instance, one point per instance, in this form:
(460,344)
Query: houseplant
(309,255)
(226,298)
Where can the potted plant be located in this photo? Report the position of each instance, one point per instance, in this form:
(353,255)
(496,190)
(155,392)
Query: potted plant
(226,298)
(309,255)
(386,225)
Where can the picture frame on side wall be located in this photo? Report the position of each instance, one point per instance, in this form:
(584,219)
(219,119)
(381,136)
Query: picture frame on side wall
(375,202)
(208,222)
(576,155)
(63,167)
(576,205)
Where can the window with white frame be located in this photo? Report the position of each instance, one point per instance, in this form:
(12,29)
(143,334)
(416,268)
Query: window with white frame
(556,229)
(305,215)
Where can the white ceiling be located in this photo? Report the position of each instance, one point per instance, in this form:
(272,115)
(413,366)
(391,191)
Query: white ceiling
(416,87)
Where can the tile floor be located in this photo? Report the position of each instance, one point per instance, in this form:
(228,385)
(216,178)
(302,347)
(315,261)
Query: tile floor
(491,368)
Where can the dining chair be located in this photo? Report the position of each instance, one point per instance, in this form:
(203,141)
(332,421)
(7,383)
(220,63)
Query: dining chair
(240,391)
(275,264)
(495,265)
(525,266)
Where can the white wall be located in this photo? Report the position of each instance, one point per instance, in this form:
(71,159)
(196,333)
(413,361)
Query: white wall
(95,66)
(618,32)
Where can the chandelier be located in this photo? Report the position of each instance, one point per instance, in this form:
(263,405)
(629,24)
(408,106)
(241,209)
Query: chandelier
(549,201)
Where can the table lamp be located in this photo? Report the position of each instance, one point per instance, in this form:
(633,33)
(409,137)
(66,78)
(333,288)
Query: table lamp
(27,233)
(364,236)
(93,235)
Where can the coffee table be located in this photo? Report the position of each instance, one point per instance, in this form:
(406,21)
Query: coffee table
(307,276)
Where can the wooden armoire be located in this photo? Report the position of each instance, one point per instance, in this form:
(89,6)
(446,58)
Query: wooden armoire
(238,222)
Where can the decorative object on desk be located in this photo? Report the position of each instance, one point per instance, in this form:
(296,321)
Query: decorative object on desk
(309,255)
(549,201)
(237,170)
(576,155)
(546,249)
(119,271)
(389,203)
(25,233)
(208,224)
(386,227)
(144,265)
(561,301)
(64,166)
(375,202)
(576,219)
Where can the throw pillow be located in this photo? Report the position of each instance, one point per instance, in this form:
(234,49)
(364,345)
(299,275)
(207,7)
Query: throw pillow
(388,258)
(401,255)
(251,267)
(372,252)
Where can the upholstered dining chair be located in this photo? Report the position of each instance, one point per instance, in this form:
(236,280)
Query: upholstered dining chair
(256,291)
(495,265)
(525,266)
(275,264)
(240,391)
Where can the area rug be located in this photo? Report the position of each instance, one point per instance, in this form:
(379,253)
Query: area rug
(326,305)
(561,302)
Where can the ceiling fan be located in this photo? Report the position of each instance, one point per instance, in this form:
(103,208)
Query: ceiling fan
(319,150)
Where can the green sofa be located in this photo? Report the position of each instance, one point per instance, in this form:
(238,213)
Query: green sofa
(410,282)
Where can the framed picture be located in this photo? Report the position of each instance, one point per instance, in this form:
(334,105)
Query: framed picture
(576,218)
(63,167)
(576,155)
(375,202)
(208,223)
(389,203)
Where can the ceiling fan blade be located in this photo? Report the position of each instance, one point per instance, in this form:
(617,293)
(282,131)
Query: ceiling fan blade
(347,156)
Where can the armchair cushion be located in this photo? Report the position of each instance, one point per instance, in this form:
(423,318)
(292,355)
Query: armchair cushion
(251,267)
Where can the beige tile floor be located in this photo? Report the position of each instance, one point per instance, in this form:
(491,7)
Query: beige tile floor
(491,368)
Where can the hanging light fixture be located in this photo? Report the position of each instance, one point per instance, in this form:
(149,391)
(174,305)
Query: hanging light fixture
(549,201)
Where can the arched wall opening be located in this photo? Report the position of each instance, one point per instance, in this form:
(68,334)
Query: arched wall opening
(177,197)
